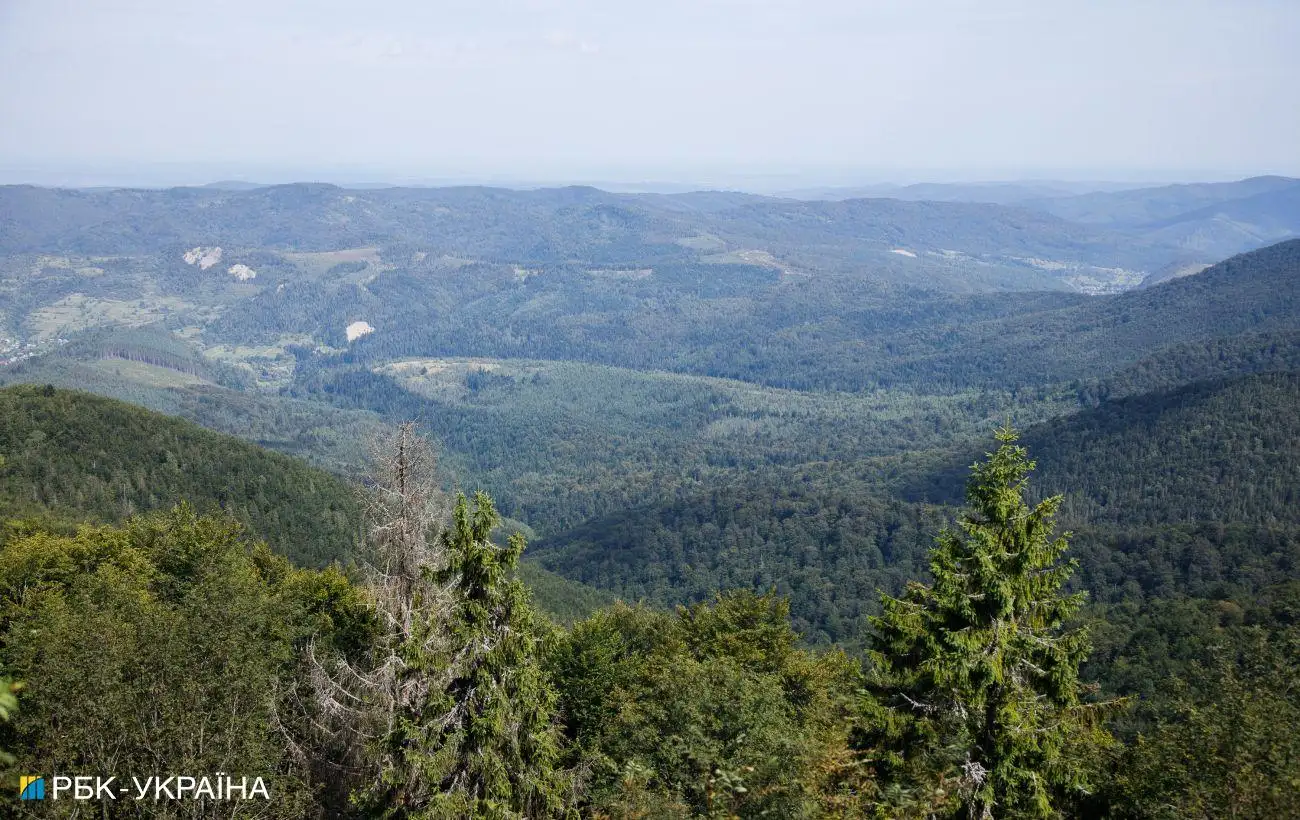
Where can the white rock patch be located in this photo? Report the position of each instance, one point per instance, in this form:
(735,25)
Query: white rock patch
(203,257)
(242,272)
(903,252)
(358,329)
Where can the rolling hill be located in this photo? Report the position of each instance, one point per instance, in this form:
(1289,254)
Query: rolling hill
(1146,206)
(576,225)
(1256,292)
(1238,224)
(1205,221)
(74,457)
(86,457)
(1185,492)
(1221,450)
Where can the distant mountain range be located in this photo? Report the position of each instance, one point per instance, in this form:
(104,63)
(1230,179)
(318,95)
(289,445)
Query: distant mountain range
(1146,206)
(953,237)
(684,391)
(996,193)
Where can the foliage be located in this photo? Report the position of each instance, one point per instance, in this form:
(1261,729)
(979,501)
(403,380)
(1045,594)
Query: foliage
(1211,733)
(9,690)
(712,711)
(559,598)
(828,548)
(974,677)
(447,713)
(1159,458)
(561,443)
(165,639)
(491,744)
(1228,746)
(87,457)
(368,703)
(1221,357)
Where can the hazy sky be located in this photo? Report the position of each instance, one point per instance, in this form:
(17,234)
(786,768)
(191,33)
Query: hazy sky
(605,89)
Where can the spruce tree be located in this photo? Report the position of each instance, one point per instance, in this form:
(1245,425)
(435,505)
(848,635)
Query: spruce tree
(976,686)
(498,743)
(453,714)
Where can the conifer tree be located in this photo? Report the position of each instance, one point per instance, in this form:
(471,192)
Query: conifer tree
(453,715)
(497,744)
(375,710)
(976,688)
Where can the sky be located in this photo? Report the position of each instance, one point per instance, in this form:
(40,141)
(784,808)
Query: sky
(787,91)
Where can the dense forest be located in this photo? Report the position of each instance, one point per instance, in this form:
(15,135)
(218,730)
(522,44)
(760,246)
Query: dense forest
(81,457)
(473,502)
(539,410)
(1166,707)
(74,458)
(1157,510)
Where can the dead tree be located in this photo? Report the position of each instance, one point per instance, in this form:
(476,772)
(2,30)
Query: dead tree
(359,704)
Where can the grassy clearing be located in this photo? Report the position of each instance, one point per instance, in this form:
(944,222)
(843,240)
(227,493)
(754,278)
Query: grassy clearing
(743,257)
(317,263)
(270,365)
(78,312)
(146,375)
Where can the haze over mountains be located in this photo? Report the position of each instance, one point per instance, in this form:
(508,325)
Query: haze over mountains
(1092,242)
(655,411)
(671,394)
(612,366)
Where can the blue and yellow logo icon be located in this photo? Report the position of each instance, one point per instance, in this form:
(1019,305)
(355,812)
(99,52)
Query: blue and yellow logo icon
(31,787)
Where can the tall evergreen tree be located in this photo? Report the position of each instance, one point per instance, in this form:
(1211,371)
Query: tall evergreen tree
(498,743)
(453,714)
(976,688)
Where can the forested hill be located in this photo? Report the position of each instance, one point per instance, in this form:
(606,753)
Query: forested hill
(1223,450)
(1165,203)
(70,456)
(1185,490)
(825,332)
(537,226)
(85,457)
(1253,292)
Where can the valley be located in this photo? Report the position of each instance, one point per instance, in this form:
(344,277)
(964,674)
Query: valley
(673,397)
(691,410)
(651,355)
